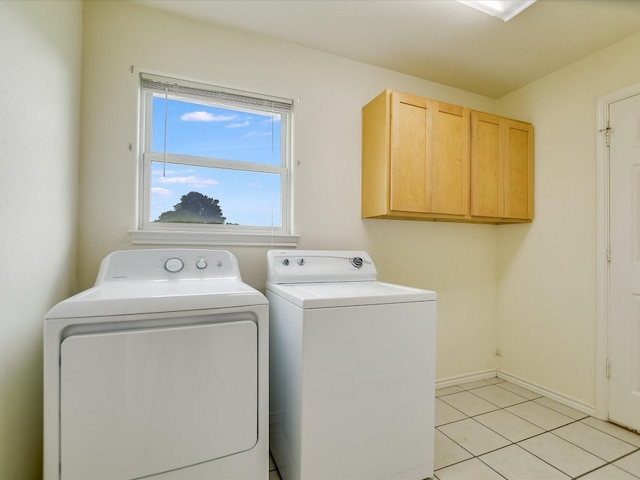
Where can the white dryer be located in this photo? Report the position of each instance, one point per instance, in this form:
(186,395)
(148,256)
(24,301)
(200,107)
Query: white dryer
(352,368)
(158,371)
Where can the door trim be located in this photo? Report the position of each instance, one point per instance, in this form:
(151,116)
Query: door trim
(602,242)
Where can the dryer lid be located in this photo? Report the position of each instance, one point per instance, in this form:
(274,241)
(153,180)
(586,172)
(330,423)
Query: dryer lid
(161,280)
(130,298)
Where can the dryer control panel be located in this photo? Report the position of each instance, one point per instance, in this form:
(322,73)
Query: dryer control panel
(168,264)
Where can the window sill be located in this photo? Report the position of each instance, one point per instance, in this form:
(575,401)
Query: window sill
(168,237)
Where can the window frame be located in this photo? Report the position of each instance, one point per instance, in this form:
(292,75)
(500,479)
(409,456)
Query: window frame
(149,232)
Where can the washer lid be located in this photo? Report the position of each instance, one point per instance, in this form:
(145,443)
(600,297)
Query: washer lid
(343,294)
(140,297)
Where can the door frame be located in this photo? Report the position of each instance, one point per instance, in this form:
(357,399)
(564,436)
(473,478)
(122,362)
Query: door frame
(602,245)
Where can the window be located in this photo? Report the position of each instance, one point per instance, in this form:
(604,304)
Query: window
(214,161)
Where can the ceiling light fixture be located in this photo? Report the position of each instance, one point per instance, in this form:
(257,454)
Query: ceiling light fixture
(504,9)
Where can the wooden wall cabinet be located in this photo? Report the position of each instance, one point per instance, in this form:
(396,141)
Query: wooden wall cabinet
(427,160)
(415,154)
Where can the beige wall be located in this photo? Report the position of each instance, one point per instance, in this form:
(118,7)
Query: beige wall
(458,261)
(547,270)
(40,45)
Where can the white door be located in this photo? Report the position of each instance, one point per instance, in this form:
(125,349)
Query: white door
(624,273)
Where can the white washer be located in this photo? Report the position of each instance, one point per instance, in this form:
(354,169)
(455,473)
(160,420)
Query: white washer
(158,371)
(351,369)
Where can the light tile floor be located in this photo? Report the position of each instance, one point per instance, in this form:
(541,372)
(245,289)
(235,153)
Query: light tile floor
(492,429)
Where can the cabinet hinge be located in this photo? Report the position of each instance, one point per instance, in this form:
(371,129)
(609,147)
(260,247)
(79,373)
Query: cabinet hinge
(608,368)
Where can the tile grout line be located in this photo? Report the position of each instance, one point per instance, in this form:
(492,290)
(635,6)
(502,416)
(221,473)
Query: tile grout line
(478,457)
(545,430)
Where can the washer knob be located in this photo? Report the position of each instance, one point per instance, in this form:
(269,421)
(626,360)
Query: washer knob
(201,264)
(173,265)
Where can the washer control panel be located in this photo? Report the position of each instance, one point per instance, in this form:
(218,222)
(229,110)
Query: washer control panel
(307,266)
(168,264)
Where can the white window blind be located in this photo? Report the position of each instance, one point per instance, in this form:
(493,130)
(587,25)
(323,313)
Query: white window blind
(215,95)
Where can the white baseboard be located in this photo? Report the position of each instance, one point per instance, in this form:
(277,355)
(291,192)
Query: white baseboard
(483,375)
(553,395)
(468,377)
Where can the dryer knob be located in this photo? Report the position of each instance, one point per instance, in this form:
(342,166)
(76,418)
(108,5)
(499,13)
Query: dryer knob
(173,265)
(201,264)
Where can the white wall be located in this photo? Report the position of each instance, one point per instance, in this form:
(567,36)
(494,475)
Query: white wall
(40,45)
(547,270)
(458,261)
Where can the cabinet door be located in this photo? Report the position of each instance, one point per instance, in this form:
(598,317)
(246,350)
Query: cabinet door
(518,175)
(448,158)
(429,156)
(501,167)
(486,166)
(408,185)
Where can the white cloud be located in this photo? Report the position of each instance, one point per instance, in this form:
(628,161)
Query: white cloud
(238,125)
(205,117)
(257,134)
(161,191)
(190,181)
(273,118)
(160,170)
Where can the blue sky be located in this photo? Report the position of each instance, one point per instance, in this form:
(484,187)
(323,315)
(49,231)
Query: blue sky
(246,198)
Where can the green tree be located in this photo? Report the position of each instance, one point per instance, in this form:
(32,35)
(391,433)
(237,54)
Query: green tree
(194,207)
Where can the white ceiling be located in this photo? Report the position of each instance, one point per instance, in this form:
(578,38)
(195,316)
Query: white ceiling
(438,40)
